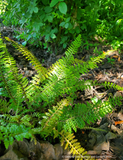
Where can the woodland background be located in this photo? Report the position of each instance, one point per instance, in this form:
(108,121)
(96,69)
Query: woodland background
(53,24)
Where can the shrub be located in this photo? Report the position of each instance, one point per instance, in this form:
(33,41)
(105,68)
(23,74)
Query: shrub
(58,21)
(45,106)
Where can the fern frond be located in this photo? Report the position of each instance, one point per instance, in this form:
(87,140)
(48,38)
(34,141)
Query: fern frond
(6,77)
(75,147)
(10,129)
(96,129)
(64,77)
(51,118)
(110,85)
(14,84)
(82,114)
(42,72)
(4,106)
(74,47)
(68,59)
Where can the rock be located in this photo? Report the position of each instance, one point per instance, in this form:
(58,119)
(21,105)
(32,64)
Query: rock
(92,140)
(10,155)
(102,146)
(58,151)
(110,135)
(104,120)
(100,138)
(21,148)
(61,153)
(95,136)
(104,127)
(48,151)
(117,147)
(66,155)
(35,150)
(30,150)
(24,150)
(92,153)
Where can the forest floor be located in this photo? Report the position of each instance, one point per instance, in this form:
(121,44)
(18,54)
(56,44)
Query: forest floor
(107,144)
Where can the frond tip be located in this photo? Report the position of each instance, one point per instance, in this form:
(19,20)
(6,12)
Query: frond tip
(29,56)
(75,147)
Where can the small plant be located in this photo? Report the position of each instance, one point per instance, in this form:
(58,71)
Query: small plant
(59,21)
(96,51)
(46,105)
(87,45)
(111,61)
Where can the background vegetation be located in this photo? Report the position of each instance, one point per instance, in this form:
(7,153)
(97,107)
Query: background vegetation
(53,23)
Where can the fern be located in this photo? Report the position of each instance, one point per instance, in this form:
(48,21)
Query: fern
(29,56)
(10,130)
(39,106)
(75,146)
(110,85)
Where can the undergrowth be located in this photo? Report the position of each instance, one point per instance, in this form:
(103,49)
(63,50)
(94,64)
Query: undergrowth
(45,105)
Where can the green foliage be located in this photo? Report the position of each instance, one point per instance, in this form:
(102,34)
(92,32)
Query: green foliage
(59,21)
(2,6)
(39,106)
(74,145)
(111,60)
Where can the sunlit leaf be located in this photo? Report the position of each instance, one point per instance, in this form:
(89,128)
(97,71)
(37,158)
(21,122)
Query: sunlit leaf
(53,36)
(24,43)
(66,25)
(63,7)
(35,9)
(62,24)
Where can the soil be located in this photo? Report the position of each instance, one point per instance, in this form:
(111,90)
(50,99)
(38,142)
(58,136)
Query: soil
(106,144)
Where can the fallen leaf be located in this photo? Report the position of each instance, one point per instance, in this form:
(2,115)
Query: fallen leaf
(115,56)
(118,122)
(119,59)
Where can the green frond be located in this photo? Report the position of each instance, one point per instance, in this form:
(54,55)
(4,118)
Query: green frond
(74,47)
(75,147)
(51,118)
(42,72)
(96,129)
(64,77)
(110,85)
(78,61)
(54,115)
(82,114)
(4,106)
(114,101)
(6,76)
(14,84)
(11,129)
(66,61)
